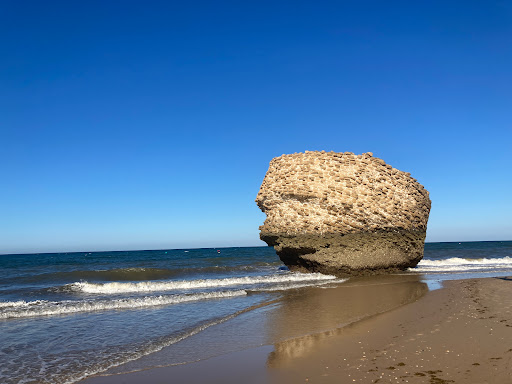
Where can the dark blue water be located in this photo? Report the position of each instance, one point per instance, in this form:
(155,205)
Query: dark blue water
(64,316)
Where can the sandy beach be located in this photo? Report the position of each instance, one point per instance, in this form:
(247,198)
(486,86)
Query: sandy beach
(461,333)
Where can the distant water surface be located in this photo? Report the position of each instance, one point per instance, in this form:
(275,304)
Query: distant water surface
(64,316)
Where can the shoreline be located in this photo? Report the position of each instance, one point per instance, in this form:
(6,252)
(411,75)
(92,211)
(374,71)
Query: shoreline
(460,333)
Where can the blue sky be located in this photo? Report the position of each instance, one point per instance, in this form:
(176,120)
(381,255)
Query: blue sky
(146,125)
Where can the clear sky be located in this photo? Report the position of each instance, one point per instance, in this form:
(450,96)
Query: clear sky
(147,125)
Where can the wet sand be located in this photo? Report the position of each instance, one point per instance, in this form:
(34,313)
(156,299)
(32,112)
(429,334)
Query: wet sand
(459,334)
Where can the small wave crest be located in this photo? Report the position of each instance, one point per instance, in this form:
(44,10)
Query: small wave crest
(461,264)
(284,287)
(150,286)
(143,273)
(20,303)
(126,274)
(45,308)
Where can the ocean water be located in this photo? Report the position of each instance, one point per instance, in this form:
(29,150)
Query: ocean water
(66,316)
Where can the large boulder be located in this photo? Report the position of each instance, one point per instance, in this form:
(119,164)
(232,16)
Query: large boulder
(340,213)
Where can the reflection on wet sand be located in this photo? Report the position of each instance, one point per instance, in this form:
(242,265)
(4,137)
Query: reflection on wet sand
(320,313)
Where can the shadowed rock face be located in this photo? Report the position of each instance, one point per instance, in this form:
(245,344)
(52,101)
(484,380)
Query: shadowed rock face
(339,213)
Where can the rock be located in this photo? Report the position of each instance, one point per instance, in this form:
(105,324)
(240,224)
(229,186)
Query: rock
(340,213)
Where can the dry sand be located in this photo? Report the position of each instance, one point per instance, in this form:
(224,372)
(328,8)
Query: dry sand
(459,334)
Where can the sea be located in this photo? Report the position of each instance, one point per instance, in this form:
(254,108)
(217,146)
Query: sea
(67,316)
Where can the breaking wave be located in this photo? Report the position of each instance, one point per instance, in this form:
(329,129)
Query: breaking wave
(19,303)
(458,264)
(152,286)
(45,308)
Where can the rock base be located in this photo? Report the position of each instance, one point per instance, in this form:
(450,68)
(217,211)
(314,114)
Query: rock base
(362,253)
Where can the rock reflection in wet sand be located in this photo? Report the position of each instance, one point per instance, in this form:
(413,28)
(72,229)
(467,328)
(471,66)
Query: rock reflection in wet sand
(319,313)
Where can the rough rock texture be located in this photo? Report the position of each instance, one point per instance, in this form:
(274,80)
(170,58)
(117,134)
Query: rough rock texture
(341,213)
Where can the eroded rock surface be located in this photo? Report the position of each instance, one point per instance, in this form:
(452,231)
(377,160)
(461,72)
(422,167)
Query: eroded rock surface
(341,213)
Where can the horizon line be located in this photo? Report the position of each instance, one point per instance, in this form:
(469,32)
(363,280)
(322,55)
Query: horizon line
(223,247)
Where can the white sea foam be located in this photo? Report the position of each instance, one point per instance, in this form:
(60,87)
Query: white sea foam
(283,287)
(152,286)
(46,308)
(20,303)
(457,264)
